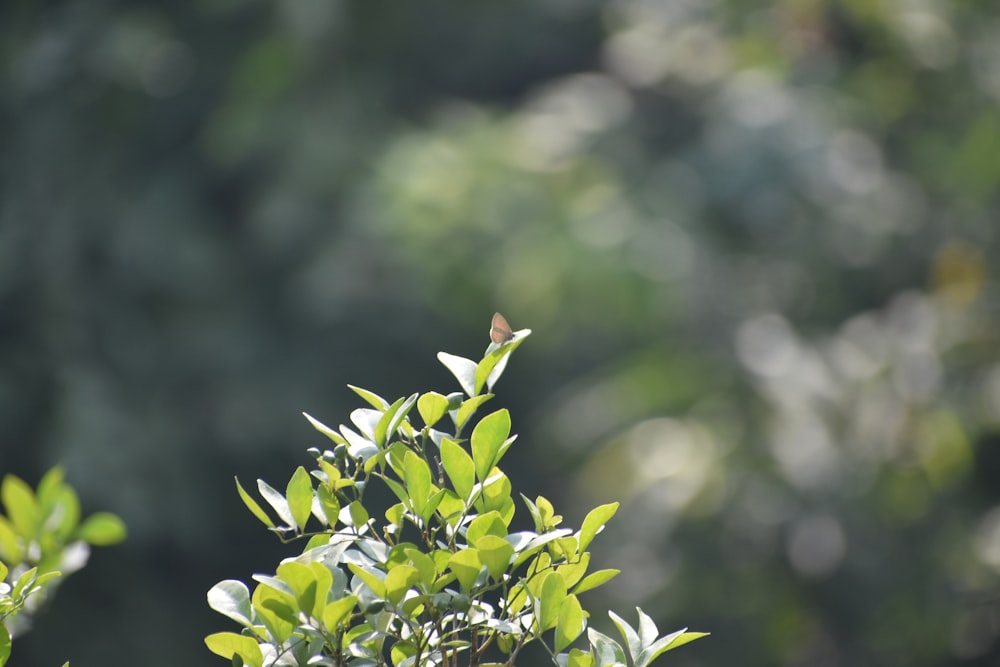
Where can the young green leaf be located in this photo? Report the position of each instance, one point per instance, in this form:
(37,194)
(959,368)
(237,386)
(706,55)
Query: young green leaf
(22,508)
(432,406)
(277,502)
(299,495)
(629,634)
(487,438)
(466,565)
(231,598)
(399,580)
(252,505)
(578,658)
(668,643)
(570,622)
(594,522)
(229,644)
(338,611)
(467,409)
(550,598)
(371,397)
(595,579)
(371,577)
(489,523)
(495,553)
(417,477)
(463,369)
(459,466)
(102,529)
(607,651)
(325,430)
(5,644)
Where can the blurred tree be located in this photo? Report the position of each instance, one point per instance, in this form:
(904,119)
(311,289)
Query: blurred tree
(753,243)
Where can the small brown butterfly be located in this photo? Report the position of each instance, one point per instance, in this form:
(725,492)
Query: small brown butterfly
(500,331)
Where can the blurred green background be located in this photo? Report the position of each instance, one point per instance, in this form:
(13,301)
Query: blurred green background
(754,242)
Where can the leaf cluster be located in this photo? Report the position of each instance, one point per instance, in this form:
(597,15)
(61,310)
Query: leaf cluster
(439,577)
(42,538)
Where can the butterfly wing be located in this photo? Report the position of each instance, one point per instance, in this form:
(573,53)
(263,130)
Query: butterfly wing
(500,331)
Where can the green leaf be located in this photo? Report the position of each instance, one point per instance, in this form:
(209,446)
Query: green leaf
(648,631)
(459,466)
(5,644)
(337,611)
(277,502)
(451,507)
(102,529)
(489,523)
(595,579)
(395,415)
(550,598)
(488,363)
(607,651)
(372,398)
(463,369)
(468,408)
(424,565)
(328,503)
(11,551)
(496,497)
(432,406)
(629,634)
(668,643)
(370,578)
(570,623)
(381,430)
(399,580)
(22,508)
(578,658)
(302,580)
(487,438)
(594,522)
(492,366)
(359,515)
(325,430)
(573,572)
(252,505)
(466,565)
(274,609)
(495,553)
(228,644)
(417,477)
(299,495)
(231,598)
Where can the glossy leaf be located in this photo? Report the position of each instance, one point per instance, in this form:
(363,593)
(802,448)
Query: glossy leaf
(466,565)
(570,622)
(463,369)
(299,496)
(595,579)
(325,430)
(551,596)
(495,553)
(469,408)
(277,502)
(487,438)
(231,598)
(338,611)
(432,406)
(399,580)
(371,397)
(459,466)
(228,644)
